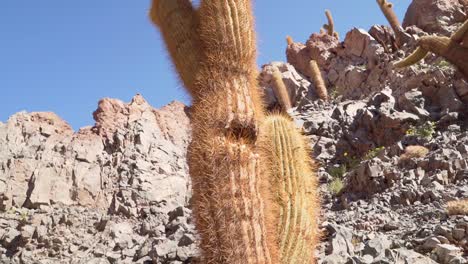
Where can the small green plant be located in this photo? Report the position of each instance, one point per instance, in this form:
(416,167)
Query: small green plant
(336,186)
(373,153)
(338,172)
(443,64)
(362,67)
(24,216)
(334,93)
(426,130)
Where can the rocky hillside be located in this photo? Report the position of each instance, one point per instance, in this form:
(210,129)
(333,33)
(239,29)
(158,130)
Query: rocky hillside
(392,146)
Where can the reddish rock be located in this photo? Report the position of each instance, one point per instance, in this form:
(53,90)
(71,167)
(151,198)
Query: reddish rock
(436,16)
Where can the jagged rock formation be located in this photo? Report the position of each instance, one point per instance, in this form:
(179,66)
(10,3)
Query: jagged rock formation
(114,192)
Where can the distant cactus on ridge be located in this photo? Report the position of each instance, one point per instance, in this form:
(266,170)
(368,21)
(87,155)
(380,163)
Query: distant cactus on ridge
(330,27)
(318,81)
(280,90)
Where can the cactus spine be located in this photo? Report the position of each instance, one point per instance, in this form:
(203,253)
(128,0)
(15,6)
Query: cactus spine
(454,49)
(226,165)
(387,10)
(280,90)
(318,81)
(293,187)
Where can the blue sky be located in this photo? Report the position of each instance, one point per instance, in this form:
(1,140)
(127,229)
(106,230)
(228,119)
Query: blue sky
(63,56)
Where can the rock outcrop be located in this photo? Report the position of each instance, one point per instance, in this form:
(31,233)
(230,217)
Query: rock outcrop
(117,191)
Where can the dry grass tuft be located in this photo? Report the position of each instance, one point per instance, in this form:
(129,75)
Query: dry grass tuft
(458,207)
(414,152)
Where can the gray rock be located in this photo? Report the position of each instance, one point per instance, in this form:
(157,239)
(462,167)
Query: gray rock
(447,252)
(377,246)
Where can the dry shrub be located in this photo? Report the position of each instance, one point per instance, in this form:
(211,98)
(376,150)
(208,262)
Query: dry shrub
(413,152)
(458,207)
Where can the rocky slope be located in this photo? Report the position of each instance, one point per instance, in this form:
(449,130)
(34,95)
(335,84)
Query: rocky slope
(392,144)
(392,148)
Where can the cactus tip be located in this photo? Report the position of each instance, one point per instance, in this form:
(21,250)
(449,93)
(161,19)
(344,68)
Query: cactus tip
(413,58)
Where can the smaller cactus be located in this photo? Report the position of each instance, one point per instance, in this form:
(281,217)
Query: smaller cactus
(280,90)
(317,78)
(293,208)
(387,9)
(330,27)
(454,49)
(289,40)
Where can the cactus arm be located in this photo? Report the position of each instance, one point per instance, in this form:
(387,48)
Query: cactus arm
(294,203)
(413,58)
(390,15)
(280,90)
(330,27)
(441,46)
(461,34)
(177,21)
(318,81)
(450,50)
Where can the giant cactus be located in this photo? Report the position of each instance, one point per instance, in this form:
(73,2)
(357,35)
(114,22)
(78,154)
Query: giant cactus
(454,49)
(227,168)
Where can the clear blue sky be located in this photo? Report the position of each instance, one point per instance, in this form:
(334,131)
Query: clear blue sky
(63,56)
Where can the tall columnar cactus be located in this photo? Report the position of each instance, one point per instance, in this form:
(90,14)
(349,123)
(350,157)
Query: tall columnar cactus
(293,190)
(318,81)
(330,27)
(228,175)
(280,90)
(454,49)
(289,40)
(387,9)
